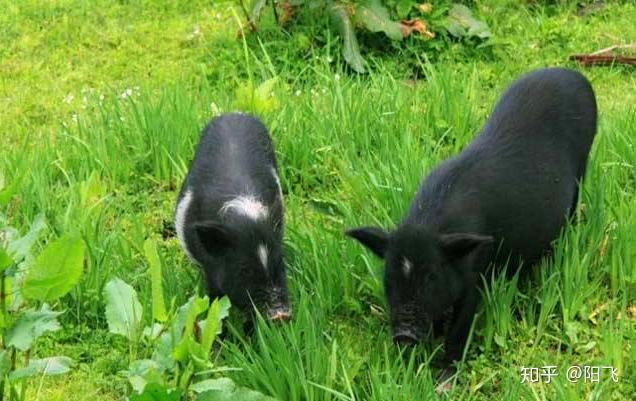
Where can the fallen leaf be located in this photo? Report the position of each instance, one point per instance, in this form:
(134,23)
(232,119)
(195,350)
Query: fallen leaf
(415,25)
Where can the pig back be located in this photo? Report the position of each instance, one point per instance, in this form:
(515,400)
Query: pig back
(235,156)
(518,180)
(550,107)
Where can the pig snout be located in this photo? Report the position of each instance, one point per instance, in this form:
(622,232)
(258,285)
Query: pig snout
(279,314)
(405,337)
(277,307)
(409,328)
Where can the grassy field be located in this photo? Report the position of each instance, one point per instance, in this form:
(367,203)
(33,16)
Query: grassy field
(112,96)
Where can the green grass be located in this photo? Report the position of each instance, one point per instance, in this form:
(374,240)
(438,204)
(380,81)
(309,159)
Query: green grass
(352,150)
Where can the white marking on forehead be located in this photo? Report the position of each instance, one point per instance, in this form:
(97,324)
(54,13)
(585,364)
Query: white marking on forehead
(247,206)
(280,189)
(407,266)
(262,253)
(179,222)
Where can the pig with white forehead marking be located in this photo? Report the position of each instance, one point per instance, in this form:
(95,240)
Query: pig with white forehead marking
(505,197)
(229,216)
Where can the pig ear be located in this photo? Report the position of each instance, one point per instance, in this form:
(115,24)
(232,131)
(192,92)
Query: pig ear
(374,238)
(214,236)
(460,245)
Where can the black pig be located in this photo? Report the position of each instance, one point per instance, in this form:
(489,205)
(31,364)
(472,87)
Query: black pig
(506,195)
(229,215)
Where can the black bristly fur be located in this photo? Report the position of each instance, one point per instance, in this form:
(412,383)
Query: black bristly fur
(506,196)
(234,157)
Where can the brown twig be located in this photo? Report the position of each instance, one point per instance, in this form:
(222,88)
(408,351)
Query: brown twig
(588,59)
(605,56)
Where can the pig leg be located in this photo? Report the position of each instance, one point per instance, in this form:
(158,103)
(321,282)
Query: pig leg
(459,328)
(213,291)
(463,315)
(465,307)
(438,328)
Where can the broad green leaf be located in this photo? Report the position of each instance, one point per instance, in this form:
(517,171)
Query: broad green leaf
(163,351)
(186,346)
(55,365)
(190,350)
(230,392)
(255,9)
(56,270)
(199,356)
(181,352)
(185,375)
(455,28)
(350,48)
(5,260)
(142,372)
(153,332)
(30,325)
(375,17)
(222,384)
(20,248)
(212,325)
(461,22)
(186,315)
(224,310)
(154,267)
(177,343)
(157,392)
(123,310)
